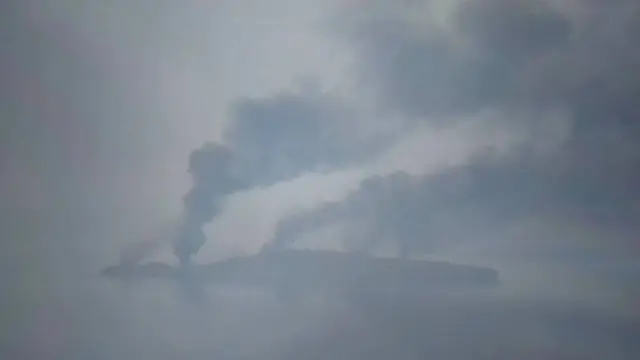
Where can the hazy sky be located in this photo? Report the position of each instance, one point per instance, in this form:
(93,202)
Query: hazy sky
(520,114)
(106,108)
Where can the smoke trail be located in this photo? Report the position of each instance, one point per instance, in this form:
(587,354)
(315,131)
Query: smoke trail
(211,168)
(270,139)
(212,173)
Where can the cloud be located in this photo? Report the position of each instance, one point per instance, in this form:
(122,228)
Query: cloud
(281,137)
(505,206)
(292,132)
(427,151)
(527,56)
(559,76)
(468,63)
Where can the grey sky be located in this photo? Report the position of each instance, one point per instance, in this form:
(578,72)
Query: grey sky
(102,102)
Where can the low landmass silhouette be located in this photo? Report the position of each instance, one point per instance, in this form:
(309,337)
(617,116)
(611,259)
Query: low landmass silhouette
(293,272)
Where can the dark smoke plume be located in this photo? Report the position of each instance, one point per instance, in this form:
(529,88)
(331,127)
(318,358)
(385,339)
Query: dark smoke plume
(268,140)
(211,168)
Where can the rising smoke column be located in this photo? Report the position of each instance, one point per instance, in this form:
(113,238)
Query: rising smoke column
(210,168)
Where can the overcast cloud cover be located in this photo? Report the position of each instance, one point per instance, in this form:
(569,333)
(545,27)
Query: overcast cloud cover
(491,130)
(557,76)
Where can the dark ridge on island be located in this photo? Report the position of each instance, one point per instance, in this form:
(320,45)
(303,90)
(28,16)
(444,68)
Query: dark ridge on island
(295,271)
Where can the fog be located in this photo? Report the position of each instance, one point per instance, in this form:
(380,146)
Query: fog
(492,133)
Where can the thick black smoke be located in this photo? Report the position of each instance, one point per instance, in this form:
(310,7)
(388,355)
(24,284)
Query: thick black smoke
(211,170)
